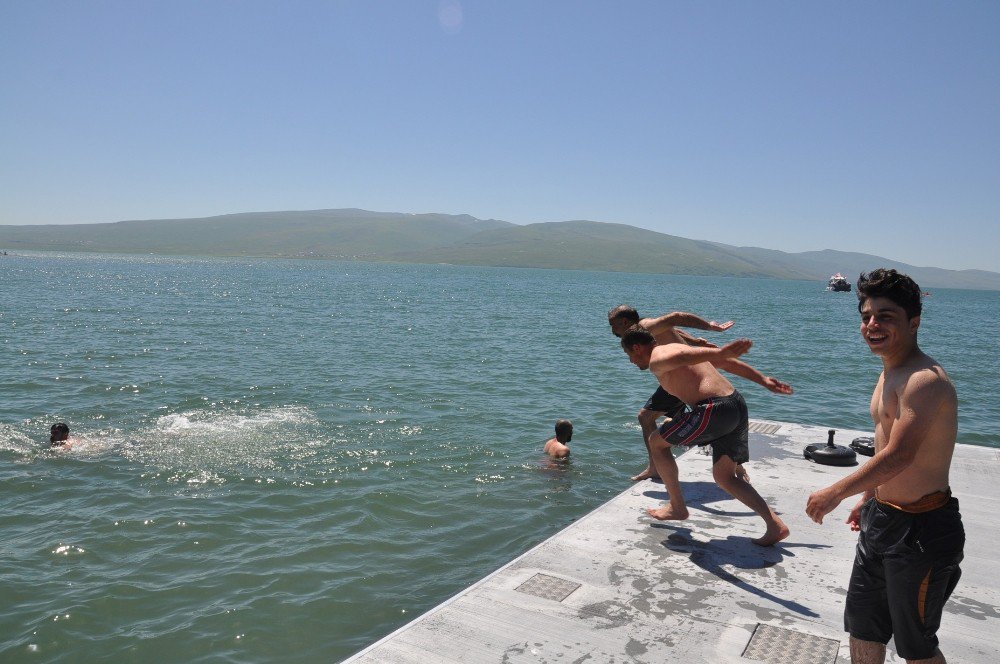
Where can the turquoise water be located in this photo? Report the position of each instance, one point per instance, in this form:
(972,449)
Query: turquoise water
(283,461)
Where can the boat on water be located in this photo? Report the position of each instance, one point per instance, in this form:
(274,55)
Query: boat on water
(839,283)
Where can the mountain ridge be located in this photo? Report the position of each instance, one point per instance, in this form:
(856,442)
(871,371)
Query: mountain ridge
(356,234)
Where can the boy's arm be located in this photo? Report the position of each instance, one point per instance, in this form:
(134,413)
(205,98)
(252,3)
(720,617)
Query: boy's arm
(854,518)
(744,370)
(672,356)
(886,464)
(683,319)
(917,406)
(692,340)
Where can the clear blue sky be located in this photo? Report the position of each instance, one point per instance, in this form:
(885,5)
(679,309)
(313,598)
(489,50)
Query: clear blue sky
(861,126)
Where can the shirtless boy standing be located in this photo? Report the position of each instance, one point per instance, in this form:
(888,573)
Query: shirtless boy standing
(717,416)
(911,536)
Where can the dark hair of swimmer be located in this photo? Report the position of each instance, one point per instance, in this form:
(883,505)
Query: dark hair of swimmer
(59,433)
(637,335)
(564,431)
(887,283)
(624,312)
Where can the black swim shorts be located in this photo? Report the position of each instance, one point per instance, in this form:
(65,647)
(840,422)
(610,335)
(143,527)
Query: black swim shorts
(905,568)
(721,421)
(664,402)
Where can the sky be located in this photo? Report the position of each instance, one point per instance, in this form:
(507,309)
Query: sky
(859,126)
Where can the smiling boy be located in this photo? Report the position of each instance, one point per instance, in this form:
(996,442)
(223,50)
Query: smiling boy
(911,536)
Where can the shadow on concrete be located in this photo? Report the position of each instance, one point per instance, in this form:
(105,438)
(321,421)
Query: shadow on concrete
(738,552)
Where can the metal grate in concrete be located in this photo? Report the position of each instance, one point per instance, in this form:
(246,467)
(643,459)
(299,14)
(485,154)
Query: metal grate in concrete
(764,427)
(778,645)
(548,587)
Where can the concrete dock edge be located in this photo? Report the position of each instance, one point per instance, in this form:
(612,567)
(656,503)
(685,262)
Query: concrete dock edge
(618,586)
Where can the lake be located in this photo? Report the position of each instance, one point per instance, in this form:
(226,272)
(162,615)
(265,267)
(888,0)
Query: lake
(286,460)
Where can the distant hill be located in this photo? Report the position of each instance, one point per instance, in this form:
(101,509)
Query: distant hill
(320,233)
(595,246)
(463,240)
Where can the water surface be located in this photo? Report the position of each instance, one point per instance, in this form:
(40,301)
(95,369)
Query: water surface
(286,460)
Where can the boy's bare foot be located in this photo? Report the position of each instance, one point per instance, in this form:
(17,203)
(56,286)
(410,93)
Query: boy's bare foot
(668,513)
(649,473)
(776,532)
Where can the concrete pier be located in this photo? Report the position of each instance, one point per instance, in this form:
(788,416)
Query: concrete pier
(617,586)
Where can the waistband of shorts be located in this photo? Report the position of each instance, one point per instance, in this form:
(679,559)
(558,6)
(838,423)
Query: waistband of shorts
(928,503)
(732,396)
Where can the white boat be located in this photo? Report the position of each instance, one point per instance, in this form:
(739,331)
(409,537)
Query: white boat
(839,283)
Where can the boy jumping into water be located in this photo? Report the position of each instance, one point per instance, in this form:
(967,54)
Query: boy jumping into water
(911,538)
(717,415)
(662,403)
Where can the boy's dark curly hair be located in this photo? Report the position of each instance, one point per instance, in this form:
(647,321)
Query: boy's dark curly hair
(888,283)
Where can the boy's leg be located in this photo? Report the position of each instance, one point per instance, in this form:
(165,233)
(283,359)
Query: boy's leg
(867,652)
(724,471)
(647,422)
(666,466)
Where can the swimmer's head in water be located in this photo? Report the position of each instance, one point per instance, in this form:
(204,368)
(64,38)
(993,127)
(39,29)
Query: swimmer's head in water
(564,431)
(59,433)
(621,318)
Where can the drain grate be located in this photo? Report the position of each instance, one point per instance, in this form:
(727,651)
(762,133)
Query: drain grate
(778,645)
(764,427)
(548,587)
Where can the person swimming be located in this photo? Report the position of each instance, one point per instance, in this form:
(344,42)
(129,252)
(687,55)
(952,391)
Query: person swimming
(557,447)
(59,435)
